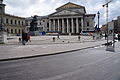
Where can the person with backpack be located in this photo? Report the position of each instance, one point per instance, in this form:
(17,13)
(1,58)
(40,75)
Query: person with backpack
(24,38)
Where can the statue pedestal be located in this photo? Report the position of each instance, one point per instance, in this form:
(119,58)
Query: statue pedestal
(34,33)
(3,37)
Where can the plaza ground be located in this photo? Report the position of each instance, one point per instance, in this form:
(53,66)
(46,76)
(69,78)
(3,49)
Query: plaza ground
(44,45)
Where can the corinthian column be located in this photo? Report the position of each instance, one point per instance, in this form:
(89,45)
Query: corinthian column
(58,25)
(49,25)
(63,27)
(72,25)
(53,24)
(67,26)
(77,26)
(82,24)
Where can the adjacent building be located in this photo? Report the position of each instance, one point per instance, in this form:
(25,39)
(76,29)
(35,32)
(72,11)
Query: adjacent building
(68,18)
(116,24)
(13,24)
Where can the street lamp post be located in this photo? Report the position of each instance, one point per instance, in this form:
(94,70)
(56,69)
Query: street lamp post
(98,18)
(97,29)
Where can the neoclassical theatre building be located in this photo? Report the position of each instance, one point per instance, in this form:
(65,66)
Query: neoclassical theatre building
(68,18)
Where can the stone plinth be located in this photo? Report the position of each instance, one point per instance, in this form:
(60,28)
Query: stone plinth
(3,37)
(34,33)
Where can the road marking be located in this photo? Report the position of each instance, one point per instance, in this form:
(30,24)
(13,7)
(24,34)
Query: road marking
(99,47)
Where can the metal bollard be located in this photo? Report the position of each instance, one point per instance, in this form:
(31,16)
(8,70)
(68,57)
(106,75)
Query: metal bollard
(78,38)
(53,39)
(93,37)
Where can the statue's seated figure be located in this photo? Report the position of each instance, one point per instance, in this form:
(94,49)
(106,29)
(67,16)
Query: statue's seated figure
(33,24)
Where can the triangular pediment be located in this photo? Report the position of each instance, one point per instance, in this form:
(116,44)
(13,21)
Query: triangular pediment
(69,5)
(64,12)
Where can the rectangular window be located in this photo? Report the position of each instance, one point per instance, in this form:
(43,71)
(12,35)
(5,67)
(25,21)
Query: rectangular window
(22,30)
(7,30)
(40,23)
(19,22)
(15,22)
(22,22)
(15,30)
(7,21)
(11,21)
(19,30)
(87,29)
(11,31)
(87,23)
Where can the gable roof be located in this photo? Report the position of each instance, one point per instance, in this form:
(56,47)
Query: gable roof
(70,5)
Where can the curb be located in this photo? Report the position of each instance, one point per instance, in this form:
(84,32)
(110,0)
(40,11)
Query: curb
(52,43)
(27,57)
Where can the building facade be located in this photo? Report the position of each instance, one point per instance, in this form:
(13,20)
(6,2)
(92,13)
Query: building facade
(116,24)
(71,18)
(13,24)
(68,18)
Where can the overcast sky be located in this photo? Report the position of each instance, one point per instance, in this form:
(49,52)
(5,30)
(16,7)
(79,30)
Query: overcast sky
(27,8)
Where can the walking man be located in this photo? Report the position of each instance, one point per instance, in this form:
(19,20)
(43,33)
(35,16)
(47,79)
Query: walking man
(24,38)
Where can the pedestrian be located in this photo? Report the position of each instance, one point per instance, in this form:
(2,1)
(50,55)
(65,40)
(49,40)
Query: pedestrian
(53,39)
(79,38)
(58,36)
(105,36)
(93,35)
(24,38)
(19,39)
(28,36)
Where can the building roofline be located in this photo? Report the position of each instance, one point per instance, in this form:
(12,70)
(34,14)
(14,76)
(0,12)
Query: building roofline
(14,16)
(90,15)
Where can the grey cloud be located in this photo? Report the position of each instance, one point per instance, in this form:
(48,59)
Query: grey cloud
(23,7)
(20,3)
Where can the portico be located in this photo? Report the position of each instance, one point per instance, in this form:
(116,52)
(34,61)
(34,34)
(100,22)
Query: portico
(66,24)
(71,18)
